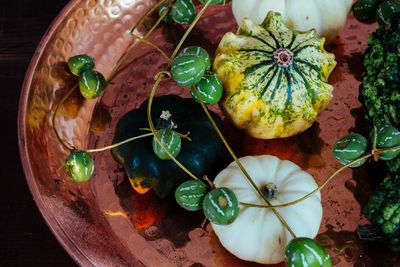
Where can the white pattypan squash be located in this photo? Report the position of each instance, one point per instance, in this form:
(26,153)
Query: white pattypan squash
(327,17)
(257,234)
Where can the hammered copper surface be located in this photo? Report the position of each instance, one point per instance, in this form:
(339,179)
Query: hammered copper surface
(103,222)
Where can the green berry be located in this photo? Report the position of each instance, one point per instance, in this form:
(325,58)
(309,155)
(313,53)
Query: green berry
(387,136)
(170,140)
(386,10)
(80,63)
(365,10)
(349,148)
(190,194)
(91,84)
(221,206)
(187,70)
(167,18)
(213,2)
(197,51)
(210,89)
(79,165)
(183,12)
(305,251)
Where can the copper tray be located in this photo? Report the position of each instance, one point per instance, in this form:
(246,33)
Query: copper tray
(103,222)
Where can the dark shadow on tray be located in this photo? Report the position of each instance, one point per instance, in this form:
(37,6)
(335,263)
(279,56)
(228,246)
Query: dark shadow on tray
(157,218)
(346,247)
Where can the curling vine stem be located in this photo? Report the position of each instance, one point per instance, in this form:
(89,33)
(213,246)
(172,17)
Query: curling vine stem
(65,144)
(93,150)
(142,18)
(115,72)
(246,174)
(373,153)
(184,136)
(124,58)
(159,77)
(184,37)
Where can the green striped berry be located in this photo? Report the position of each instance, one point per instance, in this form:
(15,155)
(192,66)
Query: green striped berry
(91,84)
(210,89)
(197,51)
(388,136)
(183,12)
(349,148)
(164,8)
(80,63)
(305,251)
(386,10)
(213,2)
(79,166)
(170,140)
(221,206)
(187,70)
(190,194)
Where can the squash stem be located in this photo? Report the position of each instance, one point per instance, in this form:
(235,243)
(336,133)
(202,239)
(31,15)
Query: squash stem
(159,77)
(93,150)
(246,174)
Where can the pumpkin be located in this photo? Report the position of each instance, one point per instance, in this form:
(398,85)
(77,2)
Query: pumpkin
(202,156)
(257,234)
(275,79)
(327,17)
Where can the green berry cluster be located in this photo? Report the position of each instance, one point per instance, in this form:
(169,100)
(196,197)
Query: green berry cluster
(353,146)
(220,205)
(91,82)
(192,67)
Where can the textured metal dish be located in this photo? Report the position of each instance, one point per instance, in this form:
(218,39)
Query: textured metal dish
(104,223)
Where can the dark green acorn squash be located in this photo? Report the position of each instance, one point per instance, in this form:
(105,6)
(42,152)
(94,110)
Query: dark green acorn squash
(204,155)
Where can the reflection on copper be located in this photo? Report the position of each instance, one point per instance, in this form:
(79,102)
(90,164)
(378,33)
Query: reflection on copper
(172,235)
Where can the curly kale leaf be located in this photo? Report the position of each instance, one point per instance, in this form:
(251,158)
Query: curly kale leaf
(380,94)
(380,89)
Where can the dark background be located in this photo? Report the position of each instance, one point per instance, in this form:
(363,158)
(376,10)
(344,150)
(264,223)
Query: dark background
(25,239)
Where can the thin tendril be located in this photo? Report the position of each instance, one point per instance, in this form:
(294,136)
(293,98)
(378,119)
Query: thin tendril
(118,144)
(189,30)
(151,44)
(65,144)
(374,152)
(184,136)
(141,20)
(246,174)
(124,58)
(159,78)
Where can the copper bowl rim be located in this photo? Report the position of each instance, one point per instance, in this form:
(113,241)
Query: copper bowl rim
(77,255)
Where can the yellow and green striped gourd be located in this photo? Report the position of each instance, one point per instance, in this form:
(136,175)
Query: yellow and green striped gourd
(275,79)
